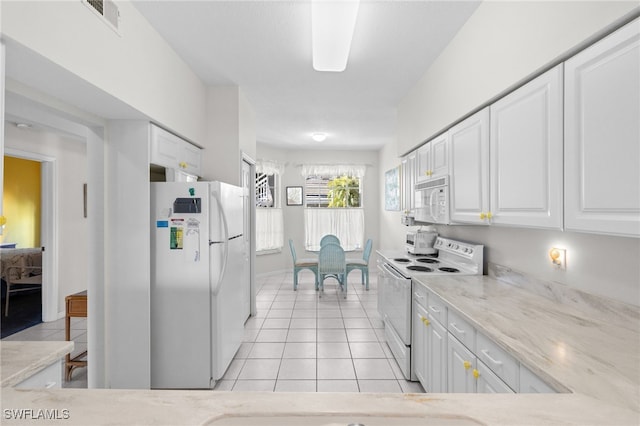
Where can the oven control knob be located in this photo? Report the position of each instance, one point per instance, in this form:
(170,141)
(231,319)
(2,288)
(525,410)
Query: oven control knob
(470,251)
(456,247)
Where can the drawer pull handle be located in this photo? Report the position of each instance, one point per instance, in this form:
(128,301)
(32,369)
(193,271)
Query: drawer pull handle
(418,295)
(434,309)
(476,373)
(485,352)
(50,385)
(457,330)
(467,365)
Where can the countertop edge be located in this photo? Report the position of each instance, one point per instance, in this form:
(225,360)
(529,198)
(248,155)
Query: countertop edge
(39,356)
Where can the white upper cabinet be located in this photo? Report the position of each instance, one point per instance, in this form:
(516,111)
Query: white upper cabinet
(432,158)
(168,150)
(408,182)
(526,155)
(469,165)
(602,136)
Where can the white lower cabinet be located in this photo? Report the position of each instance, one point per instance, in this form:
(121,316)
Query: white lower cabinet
(530,383)
(459,359)
(461,365)
(47,378)
(488,382)
(437,362)
(419,343)
(429,350)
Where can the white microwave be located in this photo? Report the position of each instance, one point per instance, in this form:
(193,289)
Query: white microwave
(432,201)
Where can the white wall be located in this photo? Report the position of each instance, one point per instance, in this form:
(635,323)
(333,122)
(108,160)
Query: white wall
(137,66)
(71,169)
(294,215)
(502,43)
(127,249)
(230,131)
(392,232)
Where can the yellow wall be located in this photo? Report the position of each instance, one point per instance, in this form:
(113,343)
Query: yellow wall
(21,202)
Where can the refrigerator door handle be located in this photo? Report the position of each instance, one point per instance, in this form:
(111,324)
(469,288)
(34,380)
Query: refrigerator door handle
(225,257)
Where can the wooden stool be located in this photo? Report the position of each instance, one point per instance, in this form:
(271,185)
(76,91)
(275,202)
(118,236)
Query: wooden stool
(76,306)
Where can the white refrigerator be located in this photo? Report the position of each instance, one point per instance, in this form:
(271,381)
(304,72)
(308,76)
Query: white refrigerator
(199,282)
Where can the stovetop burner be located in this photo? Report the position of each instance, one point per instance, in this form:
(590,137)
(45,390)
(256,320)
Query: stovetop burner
(419,268)
(402,260)
(447,269)
(427,260)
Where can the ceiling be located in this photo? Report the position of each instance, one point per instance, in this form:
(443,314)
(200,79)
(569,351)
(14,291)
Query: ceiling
(264,47)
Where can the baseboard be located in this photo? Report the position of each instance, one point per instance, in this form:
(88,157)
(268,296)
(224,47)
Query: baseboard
(270,273)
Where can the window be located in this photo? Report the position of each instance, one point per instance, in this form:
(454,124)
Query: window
(332,191)
(333,201)
(269,220)
(265,190)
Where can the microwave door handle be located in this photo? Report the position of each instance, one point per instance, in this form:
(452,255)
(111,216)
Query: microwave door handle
(433,193)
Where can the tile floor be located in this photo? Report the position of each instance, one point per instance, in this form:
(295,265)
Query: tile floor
(297,342)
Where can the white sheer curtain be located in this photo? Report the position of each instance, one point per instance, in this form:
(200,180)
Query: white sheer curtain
(269,229)
(269,220)
(355,170)
(346,224)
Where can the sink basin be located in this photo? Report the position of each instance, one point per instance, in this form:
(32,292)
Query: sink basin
(341,420)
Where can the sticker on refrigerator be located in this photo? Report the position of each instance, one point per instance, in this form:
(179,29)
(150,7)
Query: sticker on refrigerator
(176,234)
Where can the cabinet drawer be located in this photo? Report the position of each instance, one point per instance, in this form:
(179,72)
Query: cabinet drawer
(420,294)
(500,362)
(461,329)
(488,382)
(436,308)
(48,378)
(530,383)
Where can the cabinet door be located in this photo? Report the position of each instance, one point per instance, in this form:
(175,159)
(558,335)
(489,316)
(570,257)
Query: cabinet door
(488,382)
(423,163)
(526,154)
(408,182)
(190,159)
(437,361)
(165,148)
(469,162)
(439,156)
(419,344)
(602,134)
(460,366)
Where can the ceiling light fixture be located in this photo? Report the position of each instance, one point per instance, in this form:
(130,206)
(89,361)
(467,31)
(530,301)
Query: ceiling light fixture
(319,137)
(332,25)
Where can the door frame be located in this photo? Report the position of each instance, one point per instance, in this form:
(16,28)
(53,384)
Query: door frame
(251,163)
(48,229)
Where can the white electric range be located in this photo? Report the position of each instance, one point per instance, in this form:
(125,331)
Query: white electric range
(395,270)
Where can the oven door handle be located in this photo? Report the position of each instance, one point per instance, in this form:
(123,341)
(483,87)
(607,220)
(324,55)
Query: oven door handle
(389,269)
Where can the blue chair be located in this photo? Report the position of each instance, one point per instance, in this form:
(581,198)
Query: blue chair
(329,238)
(332,264)
(362,264)
(300,264)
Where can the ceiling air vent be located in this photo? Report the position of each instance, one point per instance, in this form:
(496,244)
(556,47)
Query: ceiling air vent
(107,9)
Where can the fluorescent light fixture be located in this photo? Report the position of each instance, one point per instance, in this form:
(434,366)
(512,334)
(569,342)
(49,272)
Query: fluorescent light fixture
(319,137)
(332,24)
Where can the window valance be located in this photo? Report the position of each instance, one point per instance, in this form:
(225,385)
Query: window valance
(269,167)
(355,170)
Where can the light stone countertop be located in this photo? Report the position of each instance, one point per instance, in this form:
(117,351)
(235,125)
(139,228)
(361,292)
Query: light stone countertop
(573,341)
(21,360)
(171,407)
(591,348)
